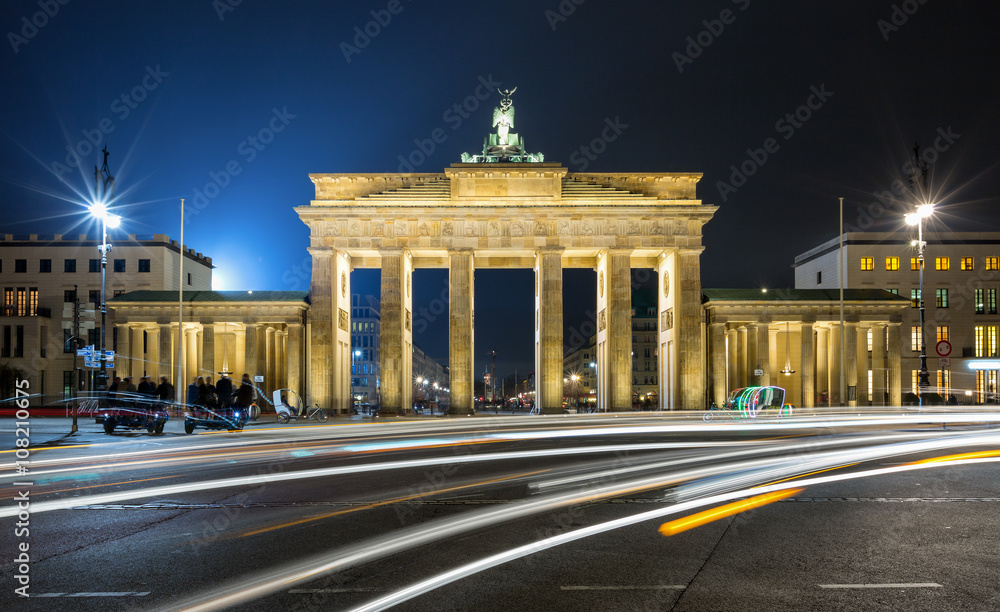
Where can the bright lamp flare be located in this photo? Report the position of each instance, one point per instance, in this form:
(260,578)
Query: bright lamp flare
(911,219)
(113,221)
(925,210)
(98,209)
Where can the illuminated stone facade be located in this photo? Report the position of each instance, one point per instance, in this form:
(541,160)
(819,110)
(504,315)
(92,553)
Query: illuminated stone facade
(509,215)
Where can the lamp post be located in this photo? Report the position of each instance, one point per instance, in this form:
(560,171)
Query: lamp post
(917,218)
(100,210)
(354,355)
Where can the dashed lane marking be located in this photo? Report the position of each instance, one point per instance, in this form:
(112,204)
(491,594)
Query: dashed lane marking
(886,585)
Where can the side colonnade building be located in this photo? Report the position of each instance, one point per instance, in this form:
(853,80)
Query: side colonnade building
(793,338)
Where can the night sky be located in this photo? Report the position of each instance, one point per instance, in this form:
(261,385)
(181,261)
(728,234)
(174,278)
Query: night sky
(240,103)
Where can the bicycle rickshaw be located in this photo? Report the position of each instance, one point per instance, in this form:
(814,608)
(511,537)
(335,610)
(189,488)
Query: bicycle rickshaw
(289,407)
(748,402)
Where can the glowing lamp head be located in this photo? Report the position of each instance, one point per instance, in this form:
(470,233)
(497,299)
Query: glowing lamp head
(912,219)
(98,209)
(925,210)
(112,221)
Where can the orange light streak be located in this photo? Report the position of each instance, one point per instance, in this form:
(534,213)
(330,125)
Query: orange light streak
(701,518)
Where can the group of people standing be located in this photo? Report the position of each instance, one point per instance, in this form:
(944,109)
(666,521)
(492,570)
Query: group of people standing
(123,388)
(202,392)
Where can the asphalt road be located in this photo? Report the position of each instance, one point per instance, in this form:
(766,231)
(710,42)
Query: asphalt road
(539,513)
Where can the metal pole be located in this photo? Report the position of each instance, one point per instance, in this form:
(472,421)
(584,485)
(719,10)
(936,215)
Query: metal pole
(181,389)
(922,380)
(843,337)
(102,377)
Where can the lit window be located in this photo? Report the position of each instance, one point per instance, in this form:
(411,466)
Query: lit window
(915,338)
(914,298)
(979,337)
(968,264)
(870,339)
(894,291)
(991,341)
(943,333)
(942,264)
(867,263)
(914,263)
(991,301)
(944,382)
(993,263)
(980,302)
(915,380)
(942,297)
(891,264)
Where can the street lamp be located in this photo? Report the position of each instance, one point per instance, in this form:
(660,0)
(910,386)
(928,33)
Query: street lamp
(100,211)
(917,218)
(354,355)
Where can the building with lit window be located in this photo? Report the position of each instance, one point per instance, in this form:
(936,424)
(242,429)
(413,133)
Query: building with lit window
(581,362)
(961,281)
(43,277)
(365,366)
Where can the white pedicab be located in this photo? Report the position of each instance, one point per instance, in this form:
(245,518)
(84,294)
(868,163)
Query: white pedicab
(290,406)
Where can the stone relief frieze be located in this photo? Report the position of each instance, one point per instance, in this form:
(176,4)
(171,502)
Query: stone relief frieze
(517,228)
(587,229)
(540,229)
(563,227)
(471,229)
(448,228)
(493,229)
(634,228)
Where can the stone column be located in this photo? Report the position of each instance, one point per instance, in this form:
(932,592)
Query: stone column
(340,352)
(280,359)
(834,361)
(894,345)
(772,356)
(879,373)
(753,356)
(240,357)
(741,357)
(807,366)
(851,361)
(168,357)
(461,331)
(208,350)
(270,360)
(549,330)
(690,349)
(666,358)
(153,353)
(823,361)
(619,326)
(123,353)
(717,348)
(250,348)
(396,337)
(732,342)
(193,348)
(295,357)
(322,323)
(861,345)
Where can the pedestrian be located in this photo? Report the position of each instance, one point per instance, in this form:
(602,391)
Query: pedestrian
(204,398)
(224,391)
(146,386)
(126,386)
(114,387)
(212,398)
(165,391)
(245,395)
(192,393)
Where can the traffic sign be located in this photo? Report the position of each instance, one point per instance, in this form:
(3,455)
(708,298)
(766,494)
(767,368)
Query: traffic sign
(943,348)
(258,378)
(944,362)
(84,352)
(758,372)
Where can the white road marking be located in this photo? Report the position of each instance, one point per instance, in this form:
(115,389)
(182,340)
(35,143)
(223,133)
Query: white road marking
(357,590)
(887,585)
(623,588)
(122,594)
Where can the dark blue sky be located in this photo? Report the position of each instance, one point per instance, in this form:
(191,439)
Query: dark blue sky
(200,84)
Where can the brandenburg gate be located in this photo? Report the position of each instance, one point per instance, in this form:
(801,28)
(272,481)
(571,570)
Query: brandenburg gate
(508,209)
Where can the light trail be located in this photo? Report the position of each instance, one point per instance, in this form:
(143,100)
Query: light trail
(273,580)
(467,570)
(703,518)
